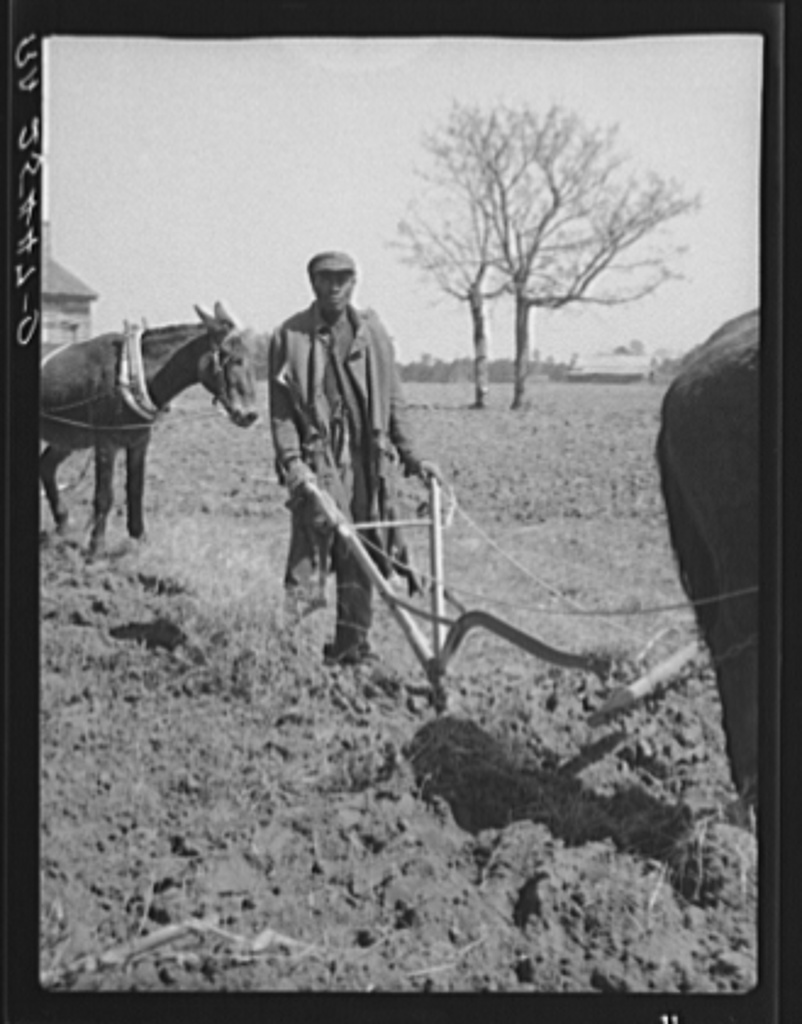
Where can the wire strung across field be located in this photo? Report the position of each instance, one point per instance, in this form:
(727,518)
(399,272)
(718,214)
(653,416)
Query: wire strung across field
(576,609)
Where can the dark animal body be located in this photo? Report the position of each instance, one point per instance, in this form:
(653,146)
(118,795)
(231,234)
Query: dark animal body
(707,451)
(82,404)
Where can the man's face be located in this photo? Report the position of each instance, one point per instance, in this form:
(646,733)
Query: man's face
(333,289)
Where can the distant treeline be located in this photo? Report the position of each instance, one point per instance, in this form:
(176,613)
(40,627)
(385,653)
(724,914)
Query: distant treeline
(428,370)
(500,371)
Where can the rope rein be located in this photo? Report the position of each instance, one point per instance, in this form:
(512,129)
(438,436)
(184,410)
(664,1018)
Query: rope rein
(96,427)
(159,424)
(82,402)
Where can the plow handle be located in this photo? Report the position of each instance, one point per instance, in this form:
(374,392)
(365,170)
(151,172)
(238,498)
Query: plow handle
(448,634)
(347,531)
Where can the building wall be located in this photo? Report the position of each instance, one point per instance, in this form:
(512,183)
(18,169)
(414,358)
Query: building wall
(65,320)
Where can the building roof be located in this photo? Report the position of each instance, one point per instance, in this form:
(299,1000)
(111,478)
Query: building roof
(612,363)
(56,280)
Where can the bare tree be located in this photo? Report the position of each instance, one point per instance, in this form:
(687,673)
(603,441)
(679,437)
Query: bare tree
(568,224)
(543,207)
(449,236)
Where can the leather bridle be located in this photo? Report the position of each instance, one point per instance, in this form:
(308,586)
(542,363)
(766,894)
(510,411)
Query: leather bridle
(221,385)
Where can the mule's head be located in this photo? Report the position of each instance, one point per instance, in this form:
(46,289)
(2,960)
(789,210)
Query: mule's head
(226,370)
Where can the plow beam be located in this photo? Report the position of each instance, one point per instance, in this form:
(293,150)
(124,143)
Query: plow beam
(484,620)
(625,697)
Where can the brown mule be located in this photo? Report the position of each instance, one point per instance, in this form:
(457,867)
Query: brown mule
(91,395)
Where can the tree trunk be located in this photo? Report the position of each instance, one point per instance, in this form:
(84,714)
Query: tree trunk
(481,377)
(521,350)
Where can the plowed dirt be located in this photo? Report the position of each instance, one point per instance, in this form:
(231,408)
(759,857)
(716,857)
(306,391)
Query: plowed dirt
(220,812)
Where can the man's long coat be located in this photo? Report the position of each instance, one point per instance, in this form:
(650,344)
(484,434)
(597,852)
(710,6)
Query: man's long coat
(300,415)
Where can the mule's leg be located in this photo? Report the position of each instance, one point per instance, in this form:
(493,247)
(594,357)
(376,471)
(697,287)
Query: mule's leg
(734,646)
(105,455)
(49,461)
(135,487)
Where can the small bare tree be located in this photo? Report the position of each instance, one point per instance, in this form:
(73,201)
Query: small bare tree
(568,223)
(450,235)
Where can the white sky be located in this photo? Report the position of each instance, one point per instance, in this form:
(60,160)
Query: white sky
(180,172)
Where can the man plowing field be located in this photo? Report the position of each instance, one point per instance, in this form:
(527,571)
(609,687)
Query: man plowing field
(338,419)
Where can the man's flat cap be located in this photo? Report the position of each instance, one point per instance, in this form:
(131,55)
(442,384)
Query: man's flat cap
(331,262)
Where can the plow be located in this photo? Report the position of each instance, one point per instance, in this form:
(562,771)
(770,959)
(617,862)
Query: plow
(447,632)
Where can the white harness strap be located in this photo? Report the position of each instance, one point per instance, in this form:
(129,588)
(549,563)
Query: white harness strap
(56,351)
(132,381)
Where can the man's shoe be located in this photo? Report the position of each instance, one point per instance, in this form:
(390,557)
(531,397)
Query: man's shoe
(359,654)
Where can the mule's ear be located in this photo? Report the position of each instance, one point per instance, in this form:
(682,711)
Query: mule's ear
(207,318)
(223,314)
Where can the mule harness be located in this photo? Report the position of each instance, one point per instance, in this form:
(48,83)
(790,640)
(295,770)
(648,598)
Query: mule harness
(131,382)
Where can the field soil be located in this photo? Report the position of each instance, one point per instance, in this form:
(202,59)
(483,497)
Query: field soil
(221,812)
